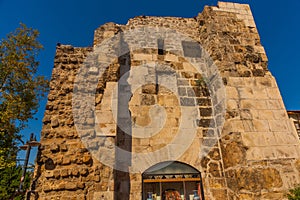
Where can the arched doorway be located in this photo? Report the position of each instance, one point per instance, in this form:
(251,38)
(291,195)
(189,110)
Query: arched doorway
(172,180)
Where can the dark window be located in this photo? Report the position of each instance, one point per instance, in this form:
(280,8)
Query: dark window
(160,46)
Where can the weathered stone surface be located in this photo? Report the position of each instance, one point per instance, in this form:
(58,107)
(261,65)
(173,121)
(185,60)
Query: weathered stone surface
(234,152)
(253,155)
(254,179)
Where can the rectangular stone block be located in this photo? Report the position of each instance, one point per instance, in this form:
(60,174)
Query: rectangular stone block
(231,93)
(253,104)
(171,58)
(105,195)
(284,138)
(259,49)
(278,125)
(261,125)
(248,126)
(235,81)
(274,104)
(104,117)
(246,93)
(260,93)
(188,67)
(265,115)
(142,57)
(191,49)
(280,114)
(253,139)
(273,93)
(255,153)
(289,180)
(232,104)
(266,82)
(233,126)
(286,152)
(106,130)
(269,153)
(270,138)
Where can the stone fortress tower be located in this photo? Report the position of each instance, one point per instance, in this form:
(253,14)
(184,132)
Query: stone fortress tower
(190,109)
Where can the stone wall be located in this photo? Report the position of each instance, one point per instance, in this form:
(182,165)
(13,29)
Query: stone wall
(254,156)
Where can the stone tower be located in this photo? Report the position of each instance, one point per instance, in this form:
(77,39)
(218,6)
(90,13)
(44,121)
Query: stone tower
(167,106)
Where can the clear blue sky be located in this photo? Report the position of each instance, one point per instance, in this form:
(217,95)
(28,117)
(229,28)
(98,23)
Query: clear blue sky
(74,21)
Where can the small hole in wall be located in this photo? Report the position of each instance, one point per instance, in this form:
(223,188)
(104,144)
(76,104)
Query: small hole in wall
(160,46)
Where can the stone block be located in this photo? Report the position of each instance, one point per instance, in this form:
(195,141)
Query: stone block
(149,89)
(274,196)
(54,123)
(253,139)
(66,160)
(172,101)
(233,126)
(269,153)
(278,125)
(253,104)
(289,180)
(217,183)
(47,119)
(106,130)
(46,188)
(246,196)
(104,195)
(259,49)
(187,66)
(265,115)
(246,93)
(54,147)
(261,125)
(260,93)
(70,186)
(171,58)
(255,153)
(49,174)
(74,172)
(56,174)
(64,173)
(284,138)
(274,104)
(232,104)
(105,117)
(265,82)
(182,82)
(147,99)
(270,138)
(219,194)
(185,101)
(231,93)
(87,159)
(286,152)
(273,93)
(147,57)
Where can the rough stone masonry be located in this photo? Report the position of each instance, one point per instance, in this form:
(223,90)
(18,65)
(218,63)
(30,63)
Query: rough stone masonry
(249,151)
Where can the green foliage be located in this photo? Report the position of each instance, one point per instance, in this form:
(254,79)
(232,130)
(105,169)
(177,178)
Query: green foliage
(294,193)
(20,88)
(10,181)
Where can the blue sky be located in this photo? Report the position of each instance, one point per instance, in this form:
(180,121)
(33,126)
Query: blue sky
(74,21)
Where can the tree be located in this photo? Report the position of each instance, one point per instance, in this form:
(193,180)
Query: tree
(10,181)
(20,88)
(294,194)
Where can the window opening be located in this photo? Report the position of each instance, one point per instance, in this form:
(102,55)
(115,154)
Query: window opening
(172,180)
